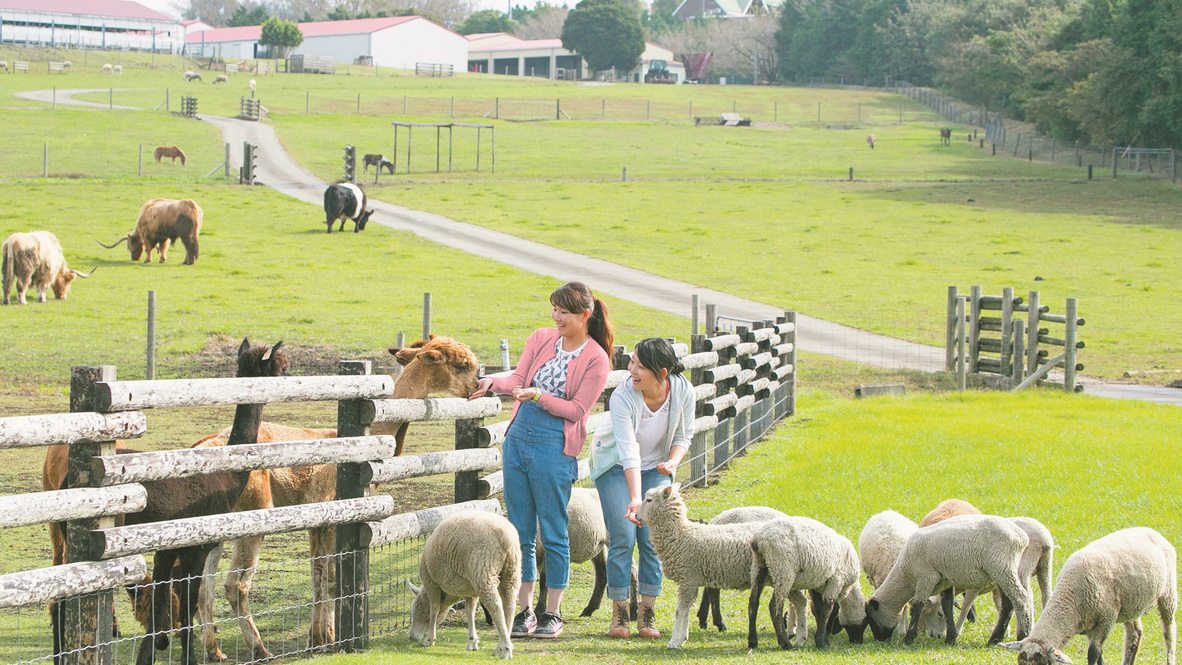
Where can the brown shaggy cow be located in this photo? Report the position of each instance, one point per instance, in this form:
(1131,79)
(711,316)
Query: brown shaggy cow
(170,151)
(945,136)
(379,161)
(36,258)
(163,221)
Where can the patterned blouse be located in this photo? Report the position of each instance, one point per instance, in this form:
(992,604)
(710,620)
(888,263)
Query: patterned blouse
(551,377)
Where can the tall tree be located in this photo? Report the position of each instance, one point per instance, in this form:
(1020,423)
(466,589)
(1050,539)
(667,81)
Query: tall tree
(607,33)
(486,20)
(544,22)
(248,14)
(281,36)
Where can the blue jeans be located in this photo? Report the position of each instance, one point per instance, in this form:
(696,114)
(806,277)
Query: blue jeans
(624,535)
(538,478)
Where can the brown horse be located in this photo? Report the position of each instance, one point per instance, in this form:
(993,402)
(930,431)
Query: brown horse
(945,136)
(170,151)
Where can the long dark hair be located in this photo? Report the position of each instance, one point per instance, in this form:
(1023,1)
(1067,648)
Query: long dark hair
(576,297)
(656,354)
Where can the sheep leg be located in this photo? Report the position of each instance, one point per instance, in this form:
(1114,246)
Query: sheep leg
(686,596)
(1167,607)
(470,611)
(951,626)
(1133,632)
(798,616)
(758,581)
(599,563)
(509,586)
(716,610)
(1003,621)
(913,627)
(966,607)
(1021,601)
(435,599)
(704,608)
(634,592)
(1095,654)
(243,564)
(540,563)
(822,607)
(775,608)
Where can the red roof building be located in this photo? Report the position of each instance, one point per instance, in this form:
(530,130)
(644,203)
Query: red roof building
(89,23)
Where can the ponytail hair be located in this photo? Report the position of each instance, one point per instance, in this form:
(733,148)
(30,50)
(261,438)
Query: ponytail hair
(656,354)
(576,297)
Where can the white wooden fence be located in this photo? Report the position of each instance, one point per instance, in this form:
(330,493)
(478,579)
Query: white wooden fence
(745,381)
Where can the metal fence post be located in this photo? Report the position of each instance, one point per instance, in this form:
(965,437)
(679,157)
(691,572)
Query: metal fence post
(426,316)
(1070,339)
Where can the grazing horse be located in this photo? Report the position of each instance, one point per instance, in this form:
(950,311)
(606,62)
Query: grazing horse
(870,140)
(945,136)
(170,151)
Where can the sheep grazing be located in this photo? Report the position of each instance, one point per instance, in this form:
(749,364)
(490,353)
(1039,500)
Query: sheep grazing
(66,64)
(4,65)
(976,552)
(797,554)
(1037,559)
(933,614)
(948,508)
(192,76)
(108,68)
(880,543)
(118,70)
(710,596)
(471,554)
(870,140)
(1116,579)
(694,555)
(220,78)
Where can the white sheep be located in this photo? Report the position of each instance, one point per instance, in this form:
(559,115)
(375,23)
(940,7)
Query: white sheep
(220,78)
(1116,579)
(108,68)
(966,552)
(192,76)
(118,70)
(66,64)
(933,614)
(4,65)
(252,86)
(471,554)
(1037,560)
(797,554)
(694,555)
(710,596)
(879,545)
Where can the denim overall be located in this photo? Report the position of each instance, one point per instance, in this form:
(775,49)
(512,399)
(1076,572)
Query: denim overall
(538,478)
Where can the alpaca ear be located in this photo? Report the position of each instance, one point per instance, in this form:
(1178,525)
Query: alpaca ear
(245,346)
(274,349)
(430,357)
(430,336)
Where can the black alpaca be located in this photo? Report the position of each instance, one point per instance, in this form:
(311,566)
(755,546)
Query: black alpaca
(179,498)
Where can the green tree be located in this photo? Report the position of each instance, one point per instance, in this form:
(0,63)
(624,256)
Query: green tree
(485,20)
(246,14)
(339,13)
(606,33)
(281,36)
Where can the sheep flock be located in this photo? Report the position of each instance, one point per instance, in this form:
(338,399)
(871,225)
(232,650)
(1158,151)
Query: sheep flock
(915,573)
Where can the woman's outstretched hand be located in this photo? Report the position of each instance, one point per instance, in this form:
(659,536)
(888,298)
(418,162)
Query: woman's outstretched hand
(482,387)
(630,514)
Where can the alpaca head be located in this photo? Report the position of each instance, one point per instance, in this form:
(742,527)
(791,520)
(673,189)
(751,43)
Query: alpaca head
(261,360)
(437,365)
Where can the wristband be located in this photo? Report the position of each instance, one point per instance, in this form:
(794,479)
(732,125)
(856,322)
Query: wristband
(537,395)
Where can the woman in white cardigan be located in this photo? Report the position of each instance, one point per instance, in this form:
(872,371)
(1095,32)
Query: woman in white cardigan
(638,448)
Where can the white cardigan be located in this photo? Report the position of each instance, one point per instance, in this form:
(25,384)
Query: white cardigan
(617,444)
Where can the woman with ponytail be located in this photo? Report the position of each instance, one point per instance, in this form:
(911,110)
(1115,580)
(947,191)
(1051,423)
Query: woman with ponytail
(652,422)
(559,377)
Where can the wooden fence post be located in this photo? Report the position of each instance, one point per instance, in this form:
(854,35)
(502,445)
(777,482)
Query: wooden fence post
(711,320)
(1032,332)
(974,328)
(697,451)
(789,383)
(468,482)
(950,332)
(960,359)
(352,560)
(86,621)
(695,308)
(1007,321)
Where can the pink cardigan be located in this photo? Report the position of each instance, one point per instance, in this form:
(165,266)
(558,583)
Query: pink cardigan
(586,375)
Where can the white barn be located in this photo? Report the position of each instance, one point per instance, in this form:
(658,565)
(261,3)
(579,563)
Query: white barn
(396,41)
(121,24)
(503,53)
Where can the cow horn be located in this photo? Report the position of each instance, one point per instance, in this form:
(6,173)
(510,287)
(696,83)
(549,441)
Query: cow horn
(84,274)
(111,246)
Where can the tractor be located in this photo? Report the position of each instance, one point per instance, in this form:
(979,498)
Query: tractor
(658,72)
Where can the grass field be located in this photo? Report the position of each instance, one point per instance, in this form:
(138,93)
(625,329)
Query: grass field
(701,204)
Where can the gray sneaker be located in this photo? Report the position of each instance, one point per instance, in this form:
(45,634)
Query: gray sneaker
(523,623)
(549,626)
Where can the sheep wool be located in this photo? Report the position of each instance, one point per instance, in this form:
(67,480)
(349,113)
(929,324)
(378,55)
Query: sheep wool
(799,553)
(694,555)
(966,552)
(471,555)
(1116,579)
(948,508)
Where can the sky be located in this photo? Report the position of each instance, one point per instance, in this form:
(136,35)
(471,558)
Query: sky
(165,6)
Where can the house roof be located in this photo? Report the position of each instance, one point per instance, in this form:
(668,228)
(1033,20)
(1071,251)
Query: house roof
(355,26)
(517,45)
(98,8)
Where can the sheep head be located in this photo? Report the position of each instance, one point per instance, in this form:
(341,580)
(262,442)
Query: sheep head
(882,623)
(1032,652)
(661,501)
(420,615)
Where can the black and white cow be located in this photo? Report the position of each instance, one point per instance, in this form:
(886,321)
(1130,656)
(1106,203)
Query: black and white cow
(345,201)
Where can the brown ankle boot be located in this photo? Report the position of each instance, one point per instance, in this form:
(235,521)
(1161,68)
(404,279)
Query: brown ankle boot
(646,621)
(620,620)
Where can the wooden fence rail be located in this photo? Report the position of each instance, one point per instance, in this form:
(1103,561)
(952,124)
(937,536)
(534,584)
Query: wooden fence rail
(743,382)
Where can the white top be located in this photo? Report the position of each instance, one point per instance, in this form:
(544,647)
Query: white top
(650,434)
(551,376)
(358,198)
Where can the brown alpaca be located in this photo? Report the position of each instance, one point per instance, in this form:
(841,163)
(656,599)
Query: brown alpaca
(439,365)
(163,221)
(179,498)
(170,151)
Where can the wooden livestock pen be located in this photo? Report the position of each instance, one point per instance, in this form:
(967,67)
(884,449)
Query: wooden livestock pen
(745,382)
(1019,354)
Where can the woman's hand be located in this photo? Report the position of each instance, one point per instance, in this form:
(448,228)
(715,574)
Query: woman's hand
(482,387)
(525,394)
(667,468)
(633,506)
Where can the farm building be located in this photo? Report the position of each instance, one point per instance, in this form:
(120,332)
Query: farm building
(119,24)
(502,53)
(396,41)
